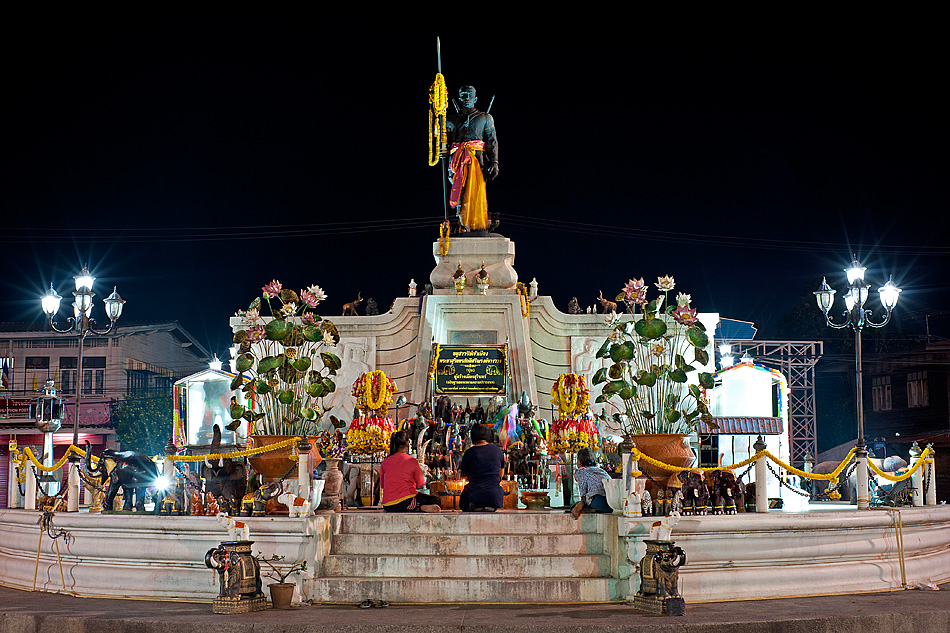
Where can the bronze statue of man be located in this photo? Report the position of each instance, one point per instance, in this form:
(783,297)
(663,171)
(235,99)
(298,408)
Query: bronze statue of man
(474,157)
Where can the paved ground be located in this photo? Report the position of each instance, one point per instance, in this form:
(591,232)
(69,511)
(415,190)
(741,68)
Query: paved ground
(916,611)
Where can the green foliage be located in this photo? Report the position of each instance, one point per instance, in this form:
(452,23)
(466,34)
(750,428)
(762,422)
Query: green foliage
(143,422)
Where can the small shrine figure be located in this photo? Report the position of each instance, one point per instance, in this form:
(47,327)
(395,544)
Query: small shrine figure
(459,278)
(371,308)
(482,280)
(573,307)
(197,507)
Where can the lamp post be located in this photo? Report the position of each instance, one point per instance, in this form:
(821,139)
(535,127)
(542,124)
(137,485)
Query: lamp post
(81,324)
(857,316)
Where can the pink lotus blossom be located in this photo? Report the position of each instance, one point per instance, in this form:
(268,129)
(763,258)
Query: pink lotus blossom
(684,315)
(634,286)
(307,318)
(255,334)
(312,296)
(272,289)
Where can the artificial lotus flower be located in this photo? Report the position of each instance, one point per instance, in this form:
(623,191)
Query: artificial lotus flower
(255,333)
(633,287)
(272,289)
(665,283)
(312,295)
(289,309)
(684,315)
(658,348)
(683,299)
(307,318)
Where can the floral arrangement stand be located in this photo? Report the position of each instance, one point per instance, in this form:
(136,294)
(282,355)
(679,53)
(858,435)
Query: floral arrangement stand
(573,429)
(283,368)
(654,383)
(370,431)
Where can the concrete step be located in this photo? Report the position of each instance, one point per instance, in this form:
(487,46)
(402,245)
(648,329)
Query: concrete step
(501,522)
(451,568)
(388,544)
(465,590)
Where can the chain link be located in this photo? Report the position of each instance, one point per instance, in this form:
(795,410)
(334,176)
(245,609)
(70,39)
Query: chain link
(785,484)
(926,480)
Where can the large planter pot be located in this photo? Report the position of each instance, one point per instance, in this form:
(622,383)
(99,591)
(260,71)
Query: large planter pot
(669,448)
(281,594)
(277,464)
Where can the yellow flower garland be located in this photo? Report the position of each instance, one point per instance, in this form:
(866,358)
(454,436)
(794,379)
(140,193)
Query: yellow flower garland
(379,402)
(438,104)
(444,238)
(571,400)
(523,293)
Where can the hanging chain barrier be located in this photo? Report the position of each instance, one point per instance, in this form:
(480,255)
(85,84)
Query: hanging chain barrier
(785,484)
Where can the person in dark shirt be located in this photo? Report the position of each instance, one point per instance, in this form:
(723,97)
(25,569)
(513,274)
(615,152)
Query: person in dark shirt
(483,464)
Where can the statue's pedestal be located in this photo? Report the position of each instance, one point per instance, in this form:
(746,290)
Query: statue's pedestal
(496,252)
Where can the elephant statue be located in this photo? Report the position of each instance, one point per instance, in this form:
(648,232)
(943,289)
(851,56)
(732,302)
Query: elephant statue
(255,503)
(695,493)
(722,488)
(132,471)
(224,478)
(666,572)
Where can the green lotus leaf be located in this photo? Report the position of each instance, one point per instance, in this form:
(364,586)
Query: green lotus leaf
(236,411)
(601,398)
(328,385)
(604,350)
(647,415)
(697,337)
(670,401)
(331,361)
(236,382)
(701,356)
(600,376)
(268,364)
(628,391)
(650,329)
(646,378)
(691,414)
(706,380)
(302,364)
(249,415)
(315,389)
(243,363)
(261,386)
(678,375)
(650,308)
(672,415)
(679,361)
(308,413)
(694,391)
(277,330)
(622,351)
(312,333)
(615,371)
(613,387)
(286,396)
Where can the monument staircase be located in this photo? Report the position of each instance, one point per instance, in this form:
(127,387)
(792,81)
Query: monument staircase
(504,557)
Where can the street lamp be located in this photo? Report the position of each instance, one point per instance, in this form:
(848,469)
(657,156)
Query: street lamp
(857,316)
(81,324)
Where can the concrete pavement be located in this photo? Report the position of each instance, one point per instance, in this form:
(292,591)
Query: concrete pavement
(913,610)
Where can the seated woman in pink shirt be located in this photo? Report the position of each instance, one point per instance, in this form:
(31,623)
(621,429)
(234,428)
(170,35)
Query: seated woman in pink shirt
(400,477)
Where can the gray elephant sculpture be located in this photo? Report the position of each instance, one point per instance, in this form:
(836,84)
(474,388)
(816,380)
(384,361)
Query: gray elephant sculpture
(224,478)
(131,472)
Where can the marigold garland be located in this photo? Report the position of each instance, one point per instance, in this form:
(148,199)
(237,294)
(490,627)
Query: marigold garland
(369,383)
(438,104)
(444,231)
(523,293)
(368,436)
(571,395)
(570,436)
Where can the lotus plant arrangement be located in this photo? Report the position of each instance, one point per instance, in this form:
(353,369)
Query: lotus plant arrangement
(284,356)
(648,380)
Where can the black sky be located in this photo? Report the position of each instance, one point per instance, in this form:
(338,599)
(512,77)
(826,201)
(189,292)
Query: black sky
(190,165)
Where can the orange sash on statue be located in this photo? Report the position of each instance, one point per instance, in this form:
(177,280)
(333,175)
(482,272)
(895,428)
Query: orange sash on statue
(468,174)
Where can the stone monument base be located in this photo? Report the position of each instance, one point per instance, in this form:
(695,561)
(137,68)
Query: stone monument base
(496,252)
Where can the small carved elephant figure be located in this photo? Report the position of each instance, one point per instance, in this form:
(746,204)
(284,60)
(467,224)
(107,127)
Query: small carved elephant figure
(255,503)
(667,572)
(695,493)
(722,489)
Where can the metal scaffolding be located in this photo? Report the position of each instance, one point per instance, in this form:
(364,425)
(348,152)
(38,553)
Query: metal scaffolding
(796,360)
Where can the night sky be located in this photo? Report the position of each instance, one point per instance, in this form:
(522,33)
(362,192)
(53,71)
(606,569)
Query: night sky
(191,165)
